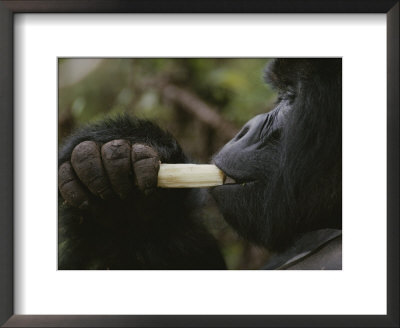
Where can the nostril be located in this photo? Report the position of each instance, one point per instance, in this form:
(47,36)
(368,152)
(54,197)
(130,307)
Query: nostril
(242,133)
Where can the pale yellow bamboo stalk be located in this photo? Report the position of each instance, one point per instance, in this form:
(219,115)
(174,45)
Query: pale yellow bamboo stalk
(189,176)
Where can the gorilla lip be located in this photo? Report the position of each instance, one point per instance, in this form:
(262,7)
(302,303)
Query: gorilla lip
(231,179)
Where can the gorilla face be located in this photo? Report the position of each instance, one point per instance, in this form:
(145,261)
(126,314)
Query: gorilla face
(287,163)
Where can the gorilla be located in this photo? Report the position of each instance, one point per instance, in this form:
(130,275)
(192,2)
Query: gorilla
(284,169)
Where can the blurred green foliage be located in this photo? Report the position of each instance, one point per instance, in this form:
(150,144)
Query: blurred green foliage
(233,86)
(90,89)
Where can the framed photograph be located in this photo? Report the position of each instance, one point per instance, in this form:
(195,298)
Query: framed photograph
(117,117)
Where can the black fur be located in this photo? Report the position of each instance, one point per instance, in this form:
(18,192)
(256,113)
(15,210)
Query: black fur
(287,164)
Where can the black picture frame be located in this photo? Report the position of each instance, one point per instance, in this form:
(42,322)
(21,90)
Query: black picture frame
(11,7)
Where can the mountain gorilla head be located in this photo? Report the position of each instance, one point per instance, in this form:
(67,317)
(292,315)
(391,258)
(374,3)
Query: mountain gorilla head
(287,163)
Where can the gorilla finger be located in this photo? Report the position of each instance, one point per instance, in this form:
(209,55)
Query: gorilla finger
(140,152)
(86,161)
(146,165)
(116,157)
(146,172)
(70,188)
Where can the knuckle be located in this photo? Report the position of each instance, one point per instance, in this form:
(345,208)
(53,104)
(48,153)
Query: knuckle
(86,161)
(64,168)
(84,151)
(86,146)
(116,150)
(85,156)
(116,156)
(140,152)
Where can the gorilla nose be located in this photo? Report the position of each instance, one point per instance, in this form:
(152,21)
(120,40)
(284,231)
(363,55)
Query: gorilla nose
(237,153)
(250,133)
(242,133)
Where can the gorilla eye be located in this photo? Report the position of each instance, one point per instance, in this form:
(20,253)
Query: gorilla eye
(288,94)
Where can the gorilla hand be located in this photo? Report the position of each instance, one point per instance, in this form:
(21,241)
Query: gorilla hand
(107,171)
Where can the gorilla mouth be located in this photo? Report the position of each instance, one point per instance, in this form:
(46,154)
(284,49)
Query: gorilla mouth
(232,185)
(231,179)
